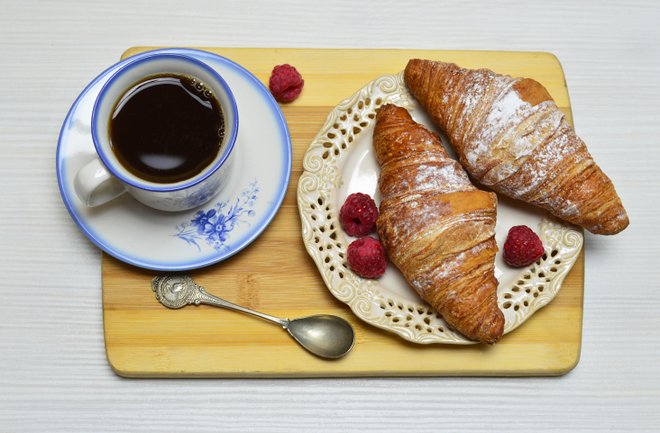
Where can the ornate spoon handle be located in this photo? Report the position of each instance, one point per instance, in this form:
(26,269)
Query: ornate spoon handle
(177,291)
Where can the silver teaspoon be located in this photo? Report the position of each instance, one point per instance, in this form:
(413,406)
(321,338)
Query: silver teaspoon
(323,335)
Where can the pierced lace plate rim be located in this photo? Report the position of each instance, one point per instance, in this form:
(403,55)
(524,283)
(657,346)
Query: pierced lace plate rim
(325,242)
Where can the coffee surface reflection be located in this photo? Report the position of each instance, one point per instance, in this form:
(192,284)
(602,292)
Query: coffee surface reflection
(167,128)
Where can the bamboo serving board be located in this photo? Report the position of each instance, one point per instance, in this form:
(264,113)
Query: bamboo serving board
(275,275)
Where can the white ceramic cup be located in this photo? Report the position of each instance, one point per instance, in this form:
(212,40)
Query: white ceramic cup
(104,178)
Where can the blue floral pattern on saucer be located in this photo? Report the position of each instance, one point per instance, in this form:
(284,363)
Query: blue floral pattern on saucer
(215,225)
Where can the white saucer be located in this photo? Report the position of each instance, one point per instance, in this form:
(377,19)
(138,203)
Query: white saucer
(164,241)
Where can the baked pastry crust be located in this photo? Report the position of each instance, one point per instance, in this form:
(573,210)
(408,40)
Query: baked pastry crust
(511,137)
(437,228)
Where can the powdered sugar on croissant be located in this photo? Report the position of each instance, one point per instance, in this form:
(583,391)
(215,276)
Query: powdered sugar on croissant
(437,228)
(511,137)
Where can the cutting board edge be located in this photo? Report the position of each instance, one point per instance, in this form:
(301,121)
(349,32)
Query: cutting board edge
(561,370)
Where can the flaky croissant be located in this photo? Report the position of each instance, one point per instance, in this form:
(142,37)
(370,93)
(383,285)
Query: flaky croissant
(511,137)
(437,228)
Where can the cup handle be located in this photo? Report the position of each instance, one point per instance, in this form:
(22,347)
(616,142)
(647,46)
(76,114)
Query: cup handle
(95,185)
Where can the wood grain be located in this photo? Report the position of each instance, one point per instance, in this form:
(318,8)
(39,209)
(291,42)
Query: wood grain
(275,274)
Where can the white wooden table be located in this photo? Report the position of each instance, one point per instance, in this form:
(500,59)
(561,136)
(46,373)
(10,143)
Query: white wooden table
(53,373)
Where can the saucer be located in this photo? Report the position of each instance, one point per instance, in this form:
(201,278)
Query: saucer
(178,241)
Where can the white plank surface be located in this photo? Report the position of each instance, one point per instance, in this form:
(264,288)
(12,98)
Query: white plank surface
(53,373)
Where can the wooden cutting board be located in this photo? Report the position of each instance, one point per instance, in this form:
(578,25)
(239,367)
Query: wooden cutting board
(275,274)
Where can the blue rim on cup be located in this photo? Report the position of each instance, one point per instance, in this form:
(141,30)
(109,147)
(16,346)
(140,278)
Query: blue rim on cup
(223,92)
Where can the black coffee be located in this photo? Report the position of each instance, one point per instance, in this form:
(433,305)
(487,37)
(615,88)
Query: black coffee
(167,128)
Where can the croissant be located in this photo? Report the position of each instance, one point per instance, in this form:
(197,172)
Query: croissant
(436,227)
(510,136)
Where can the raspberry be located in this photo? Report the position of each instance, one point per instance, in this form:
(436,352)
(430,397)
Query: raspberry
(366,256)
(522,247)
(358,215)
(285,83)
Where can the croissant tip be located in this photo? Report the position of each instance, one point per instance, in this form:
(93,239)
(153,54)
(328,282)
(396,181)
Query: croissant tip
(385,107)
(417,61)
(414,64)
(492,339)
(391,110)
(412,70)
(494,330)
(610,227)
(609,231)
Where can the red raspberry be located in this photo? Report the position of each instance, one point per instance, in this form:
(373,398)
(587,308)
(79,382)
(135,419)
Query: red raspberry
(285,83)
(522,247)
(358,215)
(366,256)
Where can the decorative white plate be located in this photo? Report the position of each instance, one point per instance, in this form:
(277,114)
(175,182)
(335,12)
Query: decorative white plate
(341,161)
(166,241)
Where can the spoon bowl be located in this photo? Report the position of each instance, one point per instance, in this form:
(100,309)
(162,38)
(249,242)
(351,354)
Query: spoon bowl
(323,335)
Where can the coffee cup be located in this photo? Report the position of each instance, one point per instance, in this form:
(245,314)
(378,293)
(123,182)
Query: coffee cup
(153,126)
